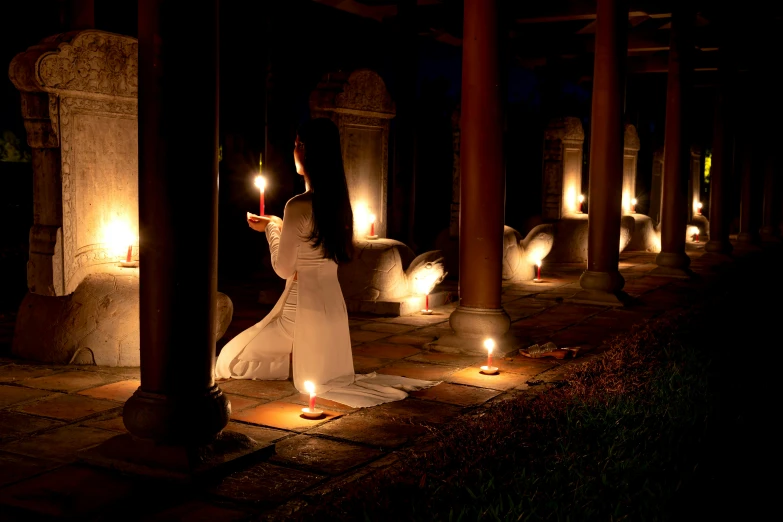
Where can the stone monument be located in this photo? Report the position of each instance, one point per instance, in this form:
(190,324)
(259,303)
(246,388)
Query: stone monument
(360,105)
(79,104)
(562,182)
(697,218)
(645,236)
(384,277)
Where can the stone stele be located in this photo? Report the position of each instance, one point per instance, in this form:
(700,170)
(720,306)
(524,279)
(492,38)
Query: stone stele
(79,95)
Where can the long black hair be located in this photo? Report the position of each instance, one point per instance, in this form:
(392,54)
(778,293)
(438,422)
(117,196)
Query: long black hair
(332,214)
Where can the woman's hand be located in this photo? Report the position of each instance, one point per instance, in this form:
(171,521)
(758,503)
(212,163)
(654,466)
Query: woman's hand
(259,223)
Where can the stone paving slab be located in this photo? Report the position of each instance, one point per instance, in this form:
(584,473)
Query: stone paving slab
(13,424)
(324,456)
(69,381)
(362,364)
(414,370)
(267,390)
(501,381)
(15,467)
(59,444)
(10,395)
(456,394)
(386,350)
(372,429)
(118,391)
(67,407)
(17,373)
(282,415)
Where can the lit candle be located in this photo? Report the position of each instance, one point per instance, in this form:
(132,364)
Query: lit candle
(261,184)
(698,207)
(538,264)
(489,344)
(128,257)
(581,200)
(633,205)
(427,302)
(371,218)
(696,237)
(310,387)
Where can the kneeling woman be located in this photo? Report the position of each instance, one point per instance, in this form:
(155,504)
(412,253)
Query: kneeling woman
(309,324)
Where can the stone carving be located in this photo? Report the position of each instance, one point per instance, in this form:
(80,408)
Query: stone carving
(96,324)
(656,187)
(79,104)
(570,238)
(521,255)
(562,183)
(630,157)
(386,269)
(361,107)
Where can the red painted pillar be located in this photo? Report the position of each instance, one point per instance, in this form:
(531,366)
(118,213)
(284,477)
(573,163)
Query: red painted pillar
(482,182)
(178,401)
(602,282)
(672,260)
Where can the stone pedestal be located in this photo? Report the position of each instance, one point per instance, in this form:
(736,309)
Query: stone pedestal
(361,107)
(521,255)
(385,278)
(570,241)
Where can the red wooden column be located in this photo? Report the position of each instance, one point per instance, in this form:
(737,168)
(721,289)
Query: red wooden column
(602,282)
(482,185)
(748,237)
(178,401)
(722,152)
(672,261)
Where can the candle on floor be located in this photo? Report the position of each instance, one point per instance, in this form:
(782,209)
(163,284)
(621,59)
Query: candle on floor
(311,411)
(581,200)
(538,272)
(633,206)
(261,184)
(130,251)
(698,207)
(489,344)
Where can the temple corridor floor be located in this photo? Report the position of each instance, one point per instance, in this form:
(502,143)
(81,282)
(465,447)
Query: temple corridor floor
(49,413)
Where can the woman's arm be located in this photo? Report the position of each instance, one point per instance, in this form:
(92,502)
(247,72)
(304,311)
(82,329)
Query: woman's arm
(284,245)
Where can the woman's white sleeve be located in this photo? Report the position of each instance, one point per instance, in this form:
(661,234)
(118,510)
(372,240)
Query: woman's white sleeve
(285,247)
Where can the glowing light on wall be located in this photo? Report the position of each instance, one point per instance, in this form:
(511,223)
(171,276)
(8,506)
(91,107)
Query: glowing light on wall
(118,236)
(626,202)
(570,199)
(362,219)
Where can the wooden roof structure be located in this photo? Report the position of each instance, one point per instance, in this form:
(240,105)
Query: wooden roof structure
(541,31)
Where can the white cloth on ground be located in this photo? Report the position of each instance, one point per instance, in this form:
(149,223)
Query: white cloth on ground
(311,322)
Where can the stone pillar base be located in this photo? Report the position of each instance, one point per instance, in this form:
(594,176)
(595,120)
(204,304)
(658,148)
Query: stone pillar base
(129,454)
(677,260)
(185,420)
(670,271)
(718,246)
(472,326)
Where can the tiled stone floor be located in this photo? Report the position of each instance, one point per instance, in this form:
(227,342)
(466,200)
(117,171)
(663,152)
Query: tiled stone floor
(49,413)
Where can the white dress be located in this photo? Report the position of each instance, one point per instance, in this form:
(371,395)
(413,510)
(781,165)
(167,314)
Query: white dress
(310,320)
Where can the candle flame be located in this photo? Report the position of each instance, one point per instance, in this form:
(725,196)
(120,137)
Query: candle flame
(489,344)
(538,263)
(633,201)
(309,386)
(260,182)
(581,198)
(118,236)
(371,218)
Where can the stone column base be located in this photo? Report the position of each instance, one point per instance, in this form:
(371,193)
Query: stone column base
(472,326)
(178,420)
(718,246)
(673,264)
(129,454)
